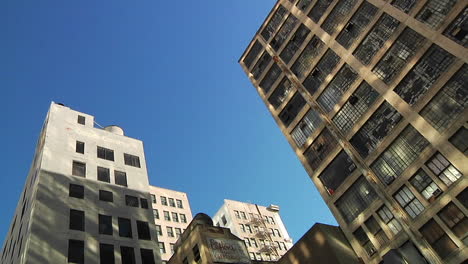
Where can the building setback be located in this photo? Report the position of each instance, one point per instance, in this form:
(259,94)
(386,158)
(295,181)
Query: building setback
(172,214)
(86,198)
(372,96)
(260,227)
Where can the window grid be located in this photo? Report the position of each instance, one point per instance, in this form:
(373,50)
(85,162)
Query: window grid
(356,24)
(337,87)
(437,238)
(377,231)
(274,23)
(324,67)
(404,5)
(389,219)
(291,110)
(336,172)
(434,12)
(306,127)
(457,30)
(423,183)
(261,64)
(270,77)
(460,140)
(320,148)
(423,75)
(398,55)
(441,167)
(449,102)
(355,200)
(357,104)
(364,241)
(295,43)
(281,93)
(304,62)
(337,15)
(399,155)
(409,202)
(319,9)
(374,41)
(455,219)
(284,32)
(253,53)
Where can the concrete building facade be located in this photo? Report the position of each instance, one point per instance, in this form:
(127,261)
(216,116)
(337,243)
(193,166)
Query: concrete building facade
(172,214)
(372,96)
(86,198)
(260,227)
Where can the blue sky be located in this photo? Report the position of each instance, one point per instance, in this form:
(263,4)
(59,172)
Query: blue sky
(167,72)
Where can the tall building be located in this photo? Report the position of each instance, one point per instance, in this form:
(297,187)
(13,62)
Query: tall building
(86,198)
(372,96)
(260,227)
(172,214)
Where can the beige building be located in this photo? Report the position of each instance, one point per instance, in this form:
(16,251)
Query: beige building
(372,96)
(172,214)
(260,227)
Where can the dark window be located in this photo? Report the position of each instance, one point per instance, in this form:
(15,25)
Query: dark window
(409,202)
(196,253)
(355,200)
(106,196)
(281,92)
(338,170)
(103,174)
(106,253)
(291,110)
(79,147)
(153,198)
(143,230)
(77,220)
(144,203)
(147,256)
(337,15)
(374,131)
(270,77)
(125,227)
(105,224)
(319,9)
(274,23)
(304,62)
(458,29)
(131,201)
(376,38)
(128,255)
(357,104)
(377,231)
(456,220)
(364,241)
(320,148)
(404,5)
(388,218)
(132,160)
(81,120)
(449,102)
(463,197)
(75,251)
(438,239)
(423,75)
(306,127)
(120,178)
(460,140)
(261,64)
(104,153)
(179,203)
(425,185)
(284,32)
(295,43)
(303,4)
(441,167)
(337,87)
(79,169)
(399,155)
(357,24)
(434,12)
(253,53)
(163,200)
(223,218)
(76,191)
(324,67)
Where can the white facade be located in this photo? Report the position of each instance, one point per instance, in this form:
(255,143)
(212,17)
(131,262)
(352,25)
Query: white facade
(260,227)
(66,213)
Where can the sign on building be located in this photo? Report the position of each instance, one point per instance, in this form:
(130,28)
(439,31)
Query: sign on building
(228,250)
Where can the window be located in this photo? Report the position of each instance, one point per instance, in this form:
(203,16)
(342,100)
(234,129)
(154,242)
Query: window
(128,255)
(104,153)
(306,127)
(318,75)
(106,253)
(76,191)
(438,239)
(242,227)
(457,30)
(389,219)
(374,131)
(156,213)
(125,227)
(163,200)
(185,261)
(183,219)
(404,5)
(178,232)
(81,120)
(253,53)
(463,197)
(303,4)
(237,214)
(171,202)
(434,12)
(144,203)
(277,232)
(423,75)
(375,40)
(357,104)
(424,185)
(272,221)
(243,215)
(284,32)
(248,228)
(355,200)
(106,196)
(357,24)
(261,64)
(304,62)
(132,160)
(404,150)
(338,170)
(196,253)
(252,255)
(253,242)
(319,9)
(75,251)
(105,224)
(131,201)
(175,217)
(291,110)
(320,148)
(79,147)
(143,230)
(170,231)
(153,198)
(223,218)
(167,217)
(103,174)
(79,169)
(409,202)
(441,167)
(447,105)
(337,15)
(172,246)
(456,220)
(337,87)
(460,140)
(364,241)
(147,256)
(162,248)
(120,178)
(274,23)
(270,78)
(247,242)
(377,231)
(179,203)
(77,220)
(280,93)
(295,43)
(159,230)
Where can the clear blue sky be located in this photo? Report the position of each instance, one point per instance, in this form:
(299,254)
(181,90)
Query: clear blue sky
(167,72)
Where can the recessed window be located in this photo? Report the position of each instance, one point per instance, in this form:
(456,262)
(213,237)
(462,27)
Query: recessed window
(274,23)
(163,200)
(409,202)
(76,191)
(456,220)
(153,198)
(319,74)
(337,171)
(104,153)
(179,204)
(171,202)
(337,15)
(175,217)
(284,32)
(253,53)
(156,213)
(81,120)
(291,110)
(457,30)
(170,231)
(105,224)
(178,232)
(364,241)
(377,231)
(80,147)
(159,230)
(144,203)
(128,255)
(167,217)
(79,169)
(316,13)
(438,239)
(132,160)
(425,185)
(320,148)
(106,196)
(172,245)
(441,167)
(388,218)
(147,256)
(125,227)
(143,230)
(131,201)
(75,251)
(183,219)
(357,24)
(77,220)
(106,253)
(120,178)
(162,248)
(356,199)
(460,140)
(196,253)
(463,197)
(103,174)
